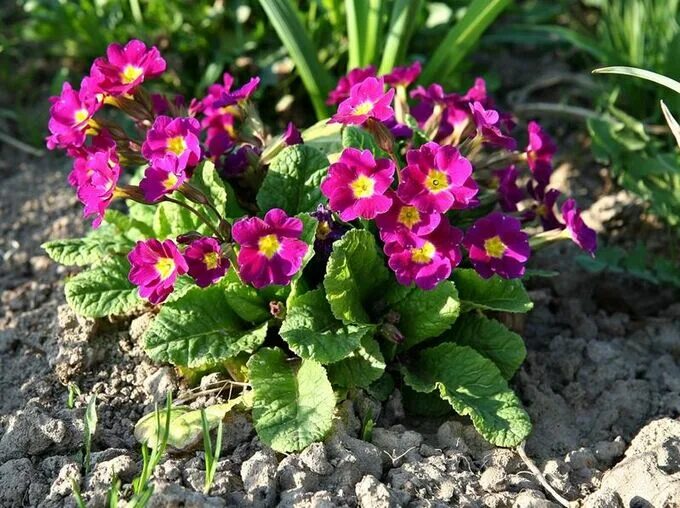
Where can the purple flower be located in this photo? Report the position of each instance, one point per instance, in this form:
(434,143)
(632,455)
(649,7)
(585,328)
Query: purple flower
(437,178)
(292,136)
(220,133)
(155,268)
(403,76)
(95,177)
(405,219)
(229,99)
(580,233)
(356,184)
(541,146)
(366,100)
(497,245)
(237,162)
(509,194)
(328,230)
(206,263)
(488,122)
(345,84)
(162,177)
(271,251)
(426,260)
(70,115)
(398,130)
(544,209)
(173,136)
(124,68)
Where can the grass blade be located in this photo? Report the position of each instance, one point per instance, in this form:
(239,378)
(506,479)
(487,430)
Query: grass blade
(284,18)
(672,122)
(373,28)
(460,39)
(402,23)
(356,12)
(641,73)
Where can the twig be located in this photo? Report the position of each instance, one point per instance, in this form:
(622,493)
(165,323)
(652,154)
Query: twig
(539,476)
(20,145)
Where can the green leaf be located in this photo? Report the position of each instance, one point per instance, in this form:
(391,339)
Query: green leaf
(355,276)
(424,404)
(85,251)
(172,220)
(362,368)
(200,329)
(402,22)
(246,301)
(423,314)
(635,72)
(313,333)
(309,225)
(474,387)
(103,290)
(219,192)
(491,294)
(130,225)
(363,31)
(293,403)
(293,179)
(491,339)
(357,137)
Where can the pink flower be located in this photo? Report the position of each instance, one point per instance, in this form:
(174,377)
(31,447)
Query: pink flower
(345,84)
(163,176)
(173,136)
(220,98)
(206,263)
(271,251)
(509,194)
(580,233)
(366,100)
(541,146)
(238,96)
(544,209)
(403,76)
(124,68)
(70,115)
(437,179)
(497,245)
(404,219)
(488,122)
(155,266)
(221,133)
(426,260)
(356,184)
(95,177)
(292,135)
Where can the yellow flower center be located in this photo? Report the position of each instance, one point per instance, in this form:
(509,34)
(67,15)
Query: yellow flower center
(423,255)
(323,229)
(170,181)
(436,181)
(363,109)
(211,260)
(81,115)
(494,247)
(177,145)
(228,110)
(542,211)
(408,216)
(268,245)
(130,74)
(165,267)
(362,187)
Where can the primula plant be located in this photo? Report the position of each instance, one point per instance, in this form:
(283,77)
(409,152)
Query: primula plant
(378,248)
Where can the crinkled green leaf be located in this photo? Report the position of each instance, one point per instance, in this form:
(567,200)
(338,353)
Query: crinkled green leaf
(103,290)
(356,137)
(171,220)
(313,333)
(361,368)
(424,404)
(200,329)
(219,192)
(246,301)
(88,250)
(491,339)
(491,294)
(474,386)
(293,402)
(293,179)
(131,226)
(355,276)
(382,387)
(423,314)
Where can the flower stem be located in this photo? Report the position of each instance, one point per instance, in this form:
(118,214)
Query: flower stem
(198,214)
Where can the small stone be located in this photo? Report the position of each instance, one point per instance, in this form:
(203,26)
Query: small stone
(292,474)
(315,458)
(668,456)
(258,474)
(581,459)
(15,479)
(373,494)
(450,435)
(557,473)
(139,325)
(399,445)
(62,485)
(123,467)
(158,384)
(171,495)
(533,499)
(236,429)
(493,479)
(608,451)
(394,409)
(603,498)
(503,458)
(32,432)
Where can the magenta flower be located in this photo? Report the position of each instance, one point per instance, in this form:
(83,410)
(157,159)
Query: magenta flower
(366,100)
(292,135)
(271,251)
(403,76)
(426,260)
(206,263)
(541,146)
(173,136)
(155,266)
(163,176)
(497,245)
(356,184)
(509,194)
(229,99)
(220,133)
(437,178)
(95,177)
(580,233)
(405,219)
(70,115)
(544,209)
(488,122)
(345,84)
(124,68)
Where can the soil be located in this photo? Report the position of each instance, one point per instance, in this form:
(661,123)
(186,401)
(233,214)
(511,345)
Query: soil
(601,382)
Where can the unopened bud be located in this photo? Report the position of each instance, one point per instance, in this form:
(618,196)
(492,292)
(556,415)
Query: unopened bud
(277,309)
(392,333)
(189,237)
(382,135)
